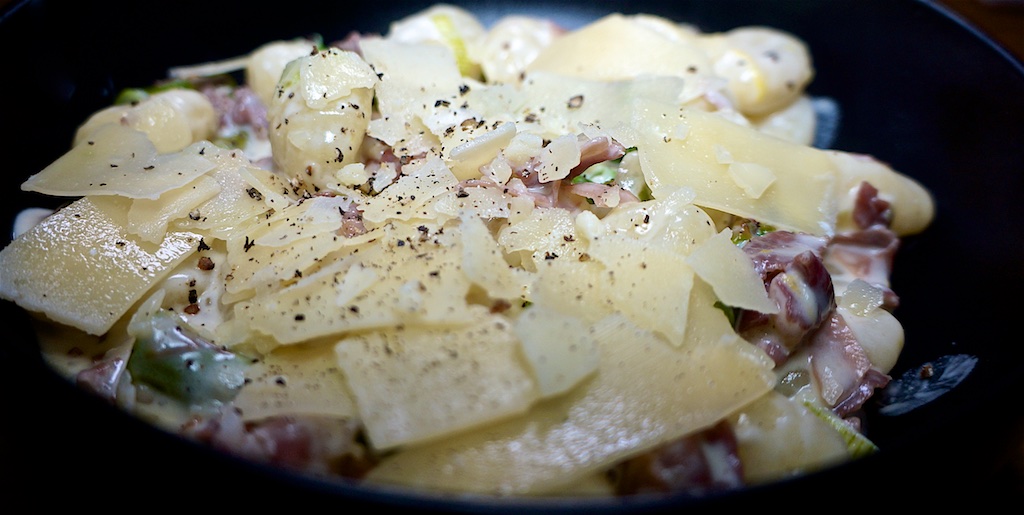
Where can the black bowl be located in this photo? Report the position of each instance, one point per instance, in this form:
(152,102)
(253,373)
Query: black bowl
(916,86)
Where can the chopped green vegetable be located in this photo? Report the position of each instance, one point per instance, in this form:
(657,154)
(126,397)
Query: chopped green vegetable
(134,95)
(645,193)
(857,444)
(730,312)
(604,172)
(749,229)
(172,360)
(237,140)
(454,40)
(318,41)
(631,177)
(131,96)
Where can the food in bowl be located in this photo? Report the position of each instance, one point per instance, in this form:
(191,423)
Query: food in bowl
(514,260)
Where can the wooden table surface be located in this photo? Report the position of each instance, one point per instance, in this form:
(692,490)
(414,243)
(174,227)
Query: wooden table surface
(1002,20)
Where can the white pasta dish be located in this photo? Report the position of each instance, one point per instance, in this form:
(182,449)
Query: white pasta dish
(508,260)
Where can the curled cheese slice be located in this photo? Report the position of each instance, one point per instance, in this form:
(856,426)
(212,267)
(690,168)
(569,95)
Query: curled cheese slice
(81,268)
(647,392)
(414,384)
(731,274)
(618,47)
(298,379)
(784,184)
(118,160)
(560,348)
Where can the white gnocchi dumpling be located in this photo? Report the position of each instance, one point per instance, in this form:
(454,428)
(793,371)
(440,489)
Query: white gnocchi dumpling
(318,115)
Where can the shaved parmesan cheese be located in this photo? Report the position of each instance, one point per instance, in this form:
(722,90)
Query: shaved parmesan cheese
(245,192)
(648,284)
(149,218)
(802,196)
(357,279)
(295,380)
(498,170)
(523,147)
(415,384)
(511,43)
(408,198)
(730,272)
(344,72)
(82,268)
(317,215)
(560,348)
(560,105)
(722,155)
(752,178)
(765,431)
(617,47)
(547,233)
(413,77)
(559,158)
(118,160)
(287,245)
(352,174)
(672,222)
(483,201)
(419,282)
(467,158)
(646,393)
(483,263)
(264,185)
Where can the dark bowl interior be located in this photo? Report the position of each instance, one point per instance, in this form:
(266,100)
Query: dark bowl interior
(916,88)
